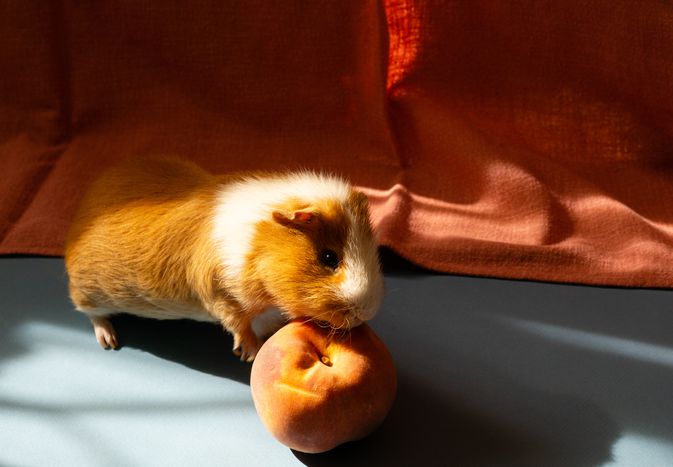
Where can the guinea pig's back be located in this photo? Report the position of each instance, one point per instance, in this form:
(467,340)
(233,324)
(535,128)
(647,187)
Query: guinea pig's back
(137,227)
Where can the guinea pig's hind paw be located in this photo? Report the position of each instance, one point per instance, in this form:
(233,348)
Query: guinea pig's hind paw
(105,333)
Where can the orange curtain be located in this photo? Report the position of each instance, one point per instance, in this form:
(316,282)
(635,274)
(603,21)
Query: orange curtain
(537,138)
(524,139)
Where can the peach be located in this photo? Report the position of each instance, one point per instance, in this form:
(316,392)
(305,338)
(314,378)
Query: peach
(314,391)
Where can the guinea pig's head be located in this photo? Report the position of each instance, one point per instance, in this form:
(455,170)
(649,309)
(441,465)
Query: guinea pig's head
(318,259)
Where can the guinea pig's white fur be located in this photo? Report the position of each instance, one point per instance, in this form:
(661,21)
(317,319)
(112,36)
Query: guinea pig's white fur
(164,239)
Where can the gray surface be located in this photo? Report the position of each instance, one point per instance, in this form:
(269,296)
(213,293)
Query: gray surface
(491,372)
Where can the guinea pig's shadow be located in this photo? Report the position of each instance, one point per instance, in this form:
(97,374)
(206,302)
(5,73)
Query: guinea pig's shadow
(427,424)
(426,427)
(201,346)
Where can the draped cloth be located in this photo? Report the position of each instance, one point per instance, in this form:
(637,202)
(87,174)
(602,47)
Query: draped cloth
(527,139)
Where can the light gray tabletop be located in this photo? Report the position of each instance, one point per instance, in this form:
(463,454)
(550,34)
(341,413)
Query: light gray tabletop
(492,373)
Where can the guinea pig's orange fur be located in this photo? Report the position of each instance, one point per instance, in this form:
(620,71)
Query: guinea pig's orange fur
(142,242)
(269,244)
(156,217)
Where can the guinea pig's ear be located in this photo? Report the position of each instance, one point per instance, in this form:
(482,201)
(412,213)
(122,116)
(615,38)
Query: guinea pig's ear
(301,217)
(359,203)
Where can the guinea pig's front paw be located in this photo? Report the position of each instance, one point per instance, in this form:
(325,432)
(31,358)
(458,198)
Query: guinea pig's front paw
(246,345)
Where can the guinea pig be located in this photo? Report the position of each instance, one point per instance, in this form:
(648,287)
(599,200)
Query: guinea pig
(163,238)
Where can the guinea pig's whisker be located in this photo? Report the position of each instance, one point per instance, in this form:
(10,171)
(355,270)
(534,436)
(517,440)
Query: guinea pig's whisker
(318,319)
(334,330)
(321,319)
(308,320)
(325,320)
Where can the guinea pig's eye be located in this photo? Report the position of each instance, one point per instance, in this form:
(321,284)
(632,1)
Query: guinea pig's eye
(329,258)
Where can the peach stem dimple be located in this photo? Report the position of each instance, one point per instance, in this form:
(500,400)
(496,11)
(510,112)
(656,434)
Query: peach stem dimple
(325,359)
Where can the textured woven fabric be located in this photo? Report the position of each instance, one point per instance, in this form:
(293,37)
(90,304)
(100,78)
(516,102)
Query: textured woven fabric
(526,139)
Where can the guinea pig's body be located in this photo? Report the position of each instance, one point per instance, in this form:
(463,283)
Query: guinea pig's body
(162,238)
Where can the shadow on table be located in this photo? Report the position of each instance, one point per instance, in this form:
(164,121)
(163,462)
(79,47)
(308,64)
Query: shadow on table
(427,425)
(200,346)
(427,428)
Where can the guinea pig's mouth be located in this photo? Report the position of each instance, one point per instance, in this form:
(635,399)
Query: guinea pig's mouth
(338,322)
(346,321)
(334,316)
